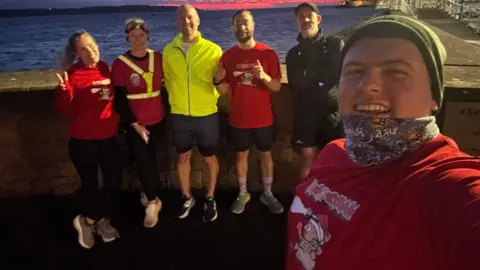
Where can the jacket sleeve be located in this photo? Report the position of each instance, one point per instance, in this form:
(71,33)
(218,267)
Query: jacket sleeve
(159,56)
(121,105)
(216,58)
(163,89)
(335,46)
(292,78)
(120,101)
(64,99)
(166,68)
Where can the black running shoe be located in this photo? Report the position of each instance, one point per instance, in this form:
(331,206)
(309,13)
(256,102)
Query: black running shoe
(210,210)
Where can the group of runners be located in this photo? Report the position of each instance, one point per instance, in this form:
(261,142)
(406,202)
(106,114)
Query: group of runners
(96,100)
(393,194)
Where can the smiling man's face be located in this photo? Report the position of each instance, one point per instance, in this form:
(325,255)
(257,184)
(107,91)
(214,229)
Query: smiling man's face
(385,78)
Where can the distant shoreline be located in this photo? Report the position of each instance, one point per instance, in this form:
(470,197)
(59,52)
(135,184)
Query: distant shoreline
(34,12)
(8,13)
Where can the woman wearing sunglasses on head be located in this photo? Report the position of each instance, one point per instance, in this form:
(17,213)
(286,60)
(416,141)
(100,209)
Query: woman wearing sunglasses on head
(137,77)
(85,98)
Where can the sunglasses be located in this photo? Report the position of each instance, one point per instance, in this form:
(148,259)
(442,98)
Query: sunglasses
(136,24)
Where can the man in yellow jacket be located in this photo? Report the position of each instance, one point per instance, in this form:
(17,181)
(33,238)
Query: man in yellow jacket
(190,64)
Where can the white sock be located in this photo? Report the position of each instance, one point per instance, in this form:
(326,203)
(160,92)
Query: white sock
(267,185)
(242,184)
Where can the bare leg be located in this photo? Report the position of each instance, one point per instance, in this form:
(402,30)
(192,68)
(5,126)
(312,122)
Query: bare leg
(183,172)
(213,168)
(241,164)
(308,155)
(266,163)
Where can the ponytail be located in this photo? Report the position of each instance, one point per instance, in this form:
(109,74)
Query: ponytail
(68,54)
(67,57)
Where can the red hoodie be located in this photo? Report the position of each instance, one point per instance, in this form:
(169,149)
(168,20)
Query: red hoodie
(88,108)
(419,213)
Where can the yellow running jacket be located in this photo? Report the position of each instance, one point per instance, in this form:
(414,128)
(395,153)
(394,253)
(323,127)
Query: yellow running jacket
(189,77)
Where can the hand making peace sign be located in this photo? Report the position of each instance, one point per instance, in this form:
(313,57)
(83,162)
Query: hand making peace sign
(62,80)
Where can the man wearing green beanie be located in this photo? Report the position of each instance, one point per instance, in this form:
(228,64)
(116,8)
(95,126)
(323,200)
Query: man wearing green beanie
(395,193)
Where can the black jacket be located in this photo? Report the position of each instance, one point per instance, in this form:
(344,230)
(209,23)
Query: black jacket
(312,71)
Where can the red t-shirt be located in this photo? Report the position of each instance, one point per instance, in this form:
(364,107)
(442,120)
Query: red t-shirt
(147,111)
(88,108)
(250,102)
(420,213)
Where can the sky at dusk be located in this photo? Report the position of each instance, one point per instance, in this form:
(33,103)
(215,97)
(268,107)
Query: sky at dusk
(21,4)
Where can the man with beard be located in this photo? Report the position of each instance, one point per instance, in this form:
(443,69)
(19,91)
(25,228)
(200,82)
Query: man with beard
(251,71)
(407,199)
(312,67)
(190,63)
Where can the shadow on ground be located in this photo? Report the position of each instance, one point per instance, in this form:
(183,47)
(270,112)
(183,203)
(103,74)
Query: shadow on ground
(37,232)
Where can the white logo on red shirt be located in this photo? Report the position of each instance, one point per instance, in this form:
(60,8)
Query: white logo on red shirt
(313,228)
(104,93)
(340,204)
(244,71)
(312,234)
(247,77)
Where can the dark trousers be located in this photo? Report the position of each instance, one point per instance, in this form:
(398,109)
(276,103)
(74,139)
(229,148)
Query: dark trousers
(145,157)
(87,156)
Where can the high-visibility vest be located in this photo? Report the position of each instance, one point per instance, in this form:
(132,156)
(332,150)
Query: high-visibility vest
(147,76)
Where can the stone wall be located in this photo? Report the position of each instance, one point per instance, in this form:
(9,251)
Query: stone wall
(34,157)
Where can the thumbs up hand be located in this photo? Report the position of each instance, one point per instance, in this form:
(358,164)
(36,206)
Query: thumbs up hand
(62,80)
(257,70)
(221,73)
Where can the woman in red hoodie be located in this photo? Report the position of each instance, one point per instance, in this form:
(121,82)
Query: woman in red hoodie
(137,76)
(85,97)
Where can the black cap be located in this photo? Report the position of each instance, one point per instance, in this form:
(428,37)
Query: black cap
(307,4)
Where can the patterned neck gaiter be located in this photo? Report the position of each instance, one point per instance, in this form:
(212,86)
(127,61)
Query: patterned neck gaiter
(371,141)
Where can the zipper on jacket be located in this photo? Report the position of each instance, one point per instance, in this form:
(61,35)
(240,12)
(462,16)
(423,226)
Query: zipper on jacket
(188,76)
(188,79)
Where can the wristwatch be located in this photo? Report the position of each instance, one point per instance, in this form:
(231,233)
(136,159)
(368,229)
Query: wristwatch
(215,83)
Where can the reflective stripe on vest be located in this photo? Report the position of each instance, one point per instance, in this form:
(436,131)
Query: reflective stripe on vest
(147,76)
(143,95)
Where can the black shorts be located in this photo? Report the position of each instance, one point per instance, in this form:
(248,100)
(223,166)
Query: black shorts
(191,130)
(263,138)
(315,130)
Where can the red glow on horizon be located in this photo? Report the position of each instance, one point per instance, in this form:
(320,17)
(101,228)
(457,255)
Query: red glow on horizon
(233,6)
(206,4)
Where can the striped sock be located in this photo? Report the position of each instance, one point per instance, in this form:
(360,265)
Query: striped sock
(242,184)
(267,185)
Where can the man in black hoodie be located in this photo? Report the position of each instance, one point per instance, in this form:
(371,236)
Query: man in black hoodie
(312,67)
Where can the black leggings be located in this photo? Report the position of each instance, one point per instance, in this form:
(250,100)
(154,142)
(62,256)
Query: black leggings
(145,157)
(87,156)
